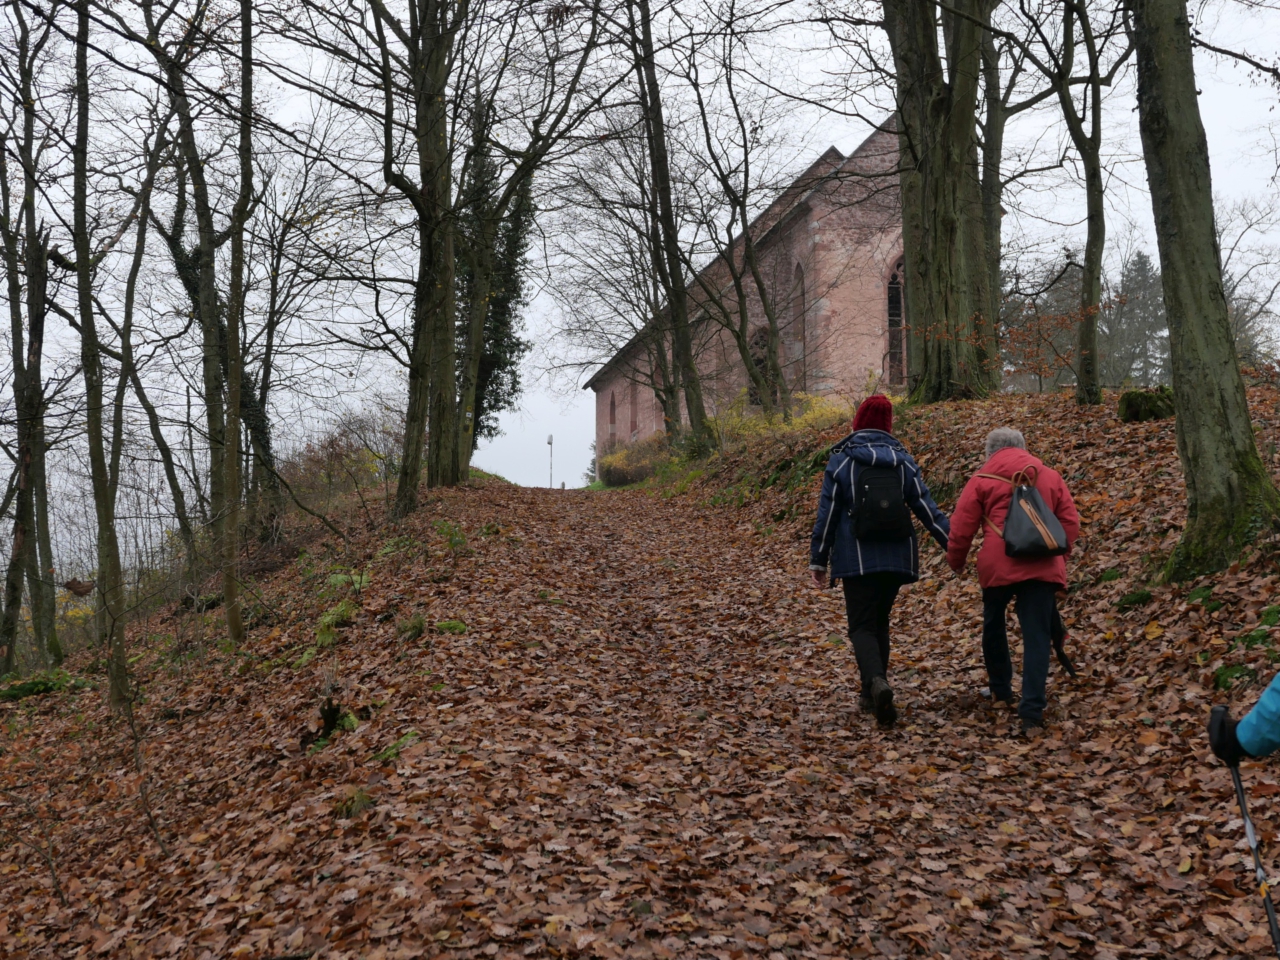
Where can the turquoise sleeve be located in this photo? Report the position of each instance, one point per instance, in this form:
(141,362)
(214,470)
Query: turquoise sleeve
(1259,731)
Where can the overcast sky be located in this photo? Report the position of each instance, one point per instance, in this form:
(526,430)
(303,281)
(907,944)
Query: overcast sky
(1239,116)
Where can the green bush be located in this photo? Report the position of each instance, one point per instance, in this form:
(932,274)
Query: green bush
(634,462)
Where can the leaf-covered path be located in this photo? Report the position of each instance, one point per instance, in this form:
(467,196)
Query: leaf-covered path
(645,743)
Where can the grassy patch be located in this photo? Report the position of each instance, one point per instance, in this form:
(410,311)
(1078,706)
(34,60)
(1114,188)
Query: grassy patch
(412,628)
(339,616)
(1256,638)
(395,545)
(452,626)
(353,804)
(1136,599)
(1270,616)
(1109,575)
(1200,594)
(43,683)
(1223,677)
(393,751)
(475,473)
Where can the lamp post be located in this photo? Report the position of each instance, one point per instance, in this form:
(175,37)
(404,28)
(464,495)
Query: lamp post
(551,460)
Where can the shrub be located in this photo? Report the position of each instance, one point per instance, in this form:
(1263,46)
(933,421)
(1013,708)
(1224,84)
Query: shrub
(635,462)
(455,537)
(740,422)
(412,628)
(339,616)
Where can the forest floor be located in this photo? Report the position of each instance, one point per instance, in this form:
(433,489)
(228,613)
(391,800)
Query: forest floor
(629,728)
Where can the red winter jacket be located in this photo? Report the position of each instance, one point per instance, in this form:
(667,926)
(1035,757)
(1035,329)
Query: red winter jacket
(990,498)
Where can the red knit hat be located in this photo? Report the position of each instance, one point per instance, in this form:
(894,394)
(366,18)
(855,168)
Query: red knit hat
(874,413)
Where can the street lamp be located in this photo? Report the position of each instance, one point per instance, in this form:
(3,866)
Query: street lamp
(550,460)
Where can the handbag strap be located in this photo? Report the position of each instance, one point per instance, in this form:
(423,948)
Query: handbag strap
(1026,477)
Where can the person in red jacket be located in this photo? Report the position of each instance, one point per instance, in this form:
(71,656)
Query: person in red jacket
(1030,583)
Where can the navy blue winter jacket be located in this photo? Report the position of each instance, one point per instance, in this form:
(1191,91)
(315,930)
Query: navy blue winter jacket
(833,541)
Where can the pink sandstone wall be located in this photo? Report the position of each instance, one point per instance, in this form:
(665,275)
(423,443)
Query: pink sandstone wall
(827,265)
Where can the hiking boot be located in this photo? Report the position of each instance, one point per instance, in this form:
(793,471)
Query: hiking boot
(1010,701)
(866,704)
(882,702)
(1032,729)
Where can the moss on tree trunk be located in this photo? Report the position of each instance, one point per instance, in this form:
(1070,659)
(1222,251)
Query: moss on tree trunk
(1230,497)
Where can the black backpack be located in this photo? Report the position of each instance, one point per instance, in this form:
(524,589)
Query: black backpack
(879,511)
(1031,531)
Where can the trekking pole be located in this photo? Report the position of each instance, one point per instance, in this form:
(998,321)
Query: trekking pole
(1260,875)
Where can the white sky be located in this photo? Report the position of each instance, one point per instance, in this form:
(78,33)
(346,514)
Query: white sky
(1240,118)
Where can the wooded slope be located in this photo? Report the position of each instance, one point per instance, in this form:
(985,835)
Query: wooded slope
(627,729)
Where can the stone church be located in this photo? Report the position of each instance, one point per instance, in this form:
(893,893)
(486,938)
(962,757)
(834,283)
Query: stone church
(830,247)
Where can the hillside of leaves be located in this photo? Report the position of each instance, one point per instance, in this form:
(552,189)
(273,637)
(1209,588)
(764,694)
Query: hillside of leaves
(535,723)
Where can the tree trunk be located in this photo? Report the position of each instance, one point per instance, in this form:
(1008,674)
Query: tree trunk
(1088,374)
(673,274)
(1087,144)
(13,576)
(480,256)
(944,236)
(235,361)
(995,119)
(415,417)
(1230,497)
(110,579)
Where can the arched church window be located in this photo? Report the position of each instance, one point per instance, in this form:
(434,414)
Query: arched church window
(896,364)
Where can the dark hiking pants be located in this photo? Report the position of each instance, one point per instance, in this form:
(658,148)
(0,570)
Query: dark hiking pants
(1037,609)
(867,602)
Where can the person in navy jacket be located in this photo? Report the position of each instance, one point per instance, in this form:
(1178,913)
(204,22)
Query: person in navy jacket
(872,571)
(1256,735)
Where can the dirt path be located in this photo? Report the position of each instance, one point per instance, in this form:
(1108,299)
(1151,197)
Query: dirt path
(644,744)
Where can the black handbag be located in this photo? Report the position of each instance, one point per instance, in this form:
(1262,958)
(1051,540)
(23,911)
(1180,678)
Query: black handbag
(1031,530)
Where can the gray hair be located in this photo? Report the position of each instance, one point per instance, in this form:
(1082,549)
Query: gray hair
(1002,437)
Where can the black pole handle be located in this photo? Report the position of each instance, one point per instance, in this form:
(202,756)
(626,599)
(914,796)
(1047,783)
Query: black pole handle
(1260,875)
